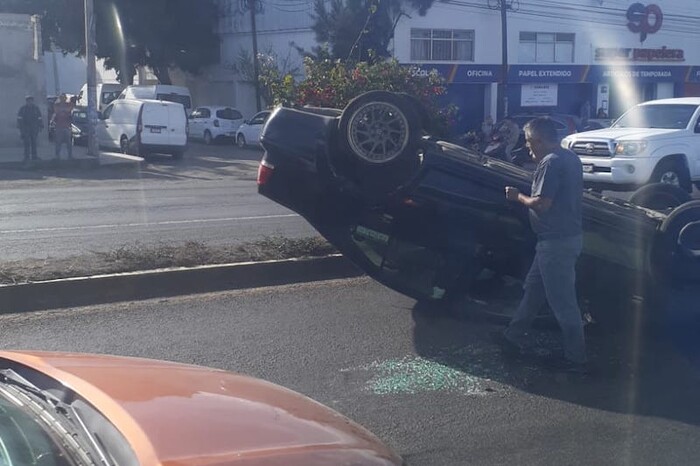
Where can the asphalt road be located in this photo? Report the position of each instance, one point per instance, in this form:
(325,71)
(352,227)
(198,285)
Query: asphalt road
(210,197)
(435,389)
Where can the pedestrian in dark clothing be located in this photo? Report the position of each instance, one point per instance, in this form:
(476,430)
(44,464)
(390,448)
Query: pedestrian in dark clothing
(555,207)
(62,120)
(29,123)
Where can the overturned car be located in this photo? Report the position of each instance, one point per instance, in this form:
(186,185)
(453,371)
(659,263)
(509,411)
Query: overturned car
(428,218)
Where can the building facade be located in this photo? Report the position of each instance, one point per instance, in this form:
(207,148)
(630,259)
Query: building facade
(564,56)
(21,70)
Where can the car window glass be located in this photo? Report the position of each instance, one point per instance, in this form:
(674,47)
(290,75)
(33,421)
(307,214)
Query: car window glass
(110,96)
(229,114)
(177,98)
(205,113)
(23,437)
(657,116)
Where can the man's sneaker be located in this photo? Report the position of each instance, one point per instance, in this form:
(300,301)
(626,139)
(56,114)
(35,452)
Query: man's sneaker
(508,346)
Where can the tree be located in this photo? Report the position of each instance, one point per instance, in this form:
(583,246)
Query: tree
(160,34)
(359,30)
(276,79)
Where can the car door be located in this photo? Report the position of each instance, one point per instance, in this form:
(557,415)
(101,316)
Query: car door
(255,127)
(177,118)
(205,121)
(229,119)
(195,120)
(102,130)
(156,124)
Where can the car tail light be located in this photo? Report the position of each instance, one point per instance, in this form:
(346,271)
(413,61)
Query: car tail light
(216,123)
(265,172)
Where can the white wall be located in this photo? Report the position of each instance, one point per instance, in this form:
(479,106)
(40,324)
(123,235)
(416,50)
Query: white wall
(21,71)
(596,23)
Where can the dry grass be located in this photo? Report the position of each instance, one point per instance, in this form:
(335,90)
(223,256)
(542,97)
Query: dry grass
(131,258)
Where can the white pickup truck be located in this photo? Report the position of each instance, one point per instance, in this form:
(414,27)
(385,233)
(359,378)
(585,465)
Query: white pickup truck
(653,142)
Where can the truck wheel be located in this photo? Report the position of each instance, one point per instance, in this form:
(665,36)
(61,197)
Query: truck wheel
(680,242)
(380,137)
(672,172)
(659,196)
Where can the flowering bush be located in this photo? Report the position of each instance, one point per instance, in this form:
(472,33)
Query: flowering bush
(333,84)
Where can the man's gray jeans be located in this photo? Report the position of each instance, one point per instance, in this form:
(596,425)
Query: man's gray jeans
(552,279)
(64,136)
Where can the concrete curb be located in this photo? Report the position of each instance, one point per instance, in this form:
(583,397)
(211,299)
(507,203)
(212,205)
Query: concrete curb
(83,291)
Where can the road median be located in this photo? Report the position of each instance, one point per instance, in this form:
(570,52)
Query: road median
(130,286)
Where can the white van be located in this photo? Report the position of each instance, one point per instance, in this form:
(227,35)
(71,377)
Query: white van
(106,94)
(143,127)
(178,94)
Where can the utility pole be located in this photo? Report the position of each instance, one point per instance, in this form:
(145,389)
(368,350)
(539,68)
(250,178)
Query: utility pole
(90,50)
(504,45)
(256,65)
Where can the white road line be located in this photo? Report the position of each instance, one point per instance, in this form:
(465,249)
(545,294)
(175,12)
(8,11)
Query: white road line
(130,225)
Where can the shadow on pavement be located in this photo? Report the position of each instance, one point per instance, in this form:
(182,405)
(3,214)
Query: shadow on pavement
(639,369)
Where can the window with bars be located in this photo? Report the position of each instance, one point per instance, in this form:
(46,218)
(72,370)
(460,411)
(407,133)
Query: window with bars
(442,45)
(546,47)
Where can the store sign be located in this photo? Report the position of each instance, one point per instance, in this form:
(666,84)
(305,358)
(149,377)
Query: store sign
(640,55)
(644,20)
(539,95)
(546,73)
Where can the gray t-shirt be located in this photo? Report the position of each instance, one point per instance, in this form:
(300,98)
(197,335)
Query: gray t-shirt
(559,177)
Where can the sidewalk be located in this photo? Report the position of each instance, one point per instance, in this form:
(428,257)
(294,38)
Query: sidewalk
(13,157)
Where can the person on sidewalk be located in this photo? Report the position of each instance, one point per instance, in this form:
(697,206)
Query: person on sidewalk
(509,131)
(555,207)
(29,123)
(62,120)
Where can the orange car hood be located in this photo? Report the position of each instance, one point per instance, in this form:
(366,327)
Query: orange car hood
(178,414)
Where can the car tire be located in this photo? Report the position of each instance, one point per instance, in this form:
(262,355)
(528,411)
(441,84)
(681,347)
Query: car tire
(659,196)
(379,137)
(679,244)
(208,140)
(240,141)
(673,172)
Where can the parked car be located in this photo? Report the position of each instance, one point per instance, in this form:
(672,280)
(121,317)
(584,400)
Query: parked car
(421,215)
(653,142)
(249,132)
(142,127)
(106,94)
(81,409)
(213,123)
(167,93)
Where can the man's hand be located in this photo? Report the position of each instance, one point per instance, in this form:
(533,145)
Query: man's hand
(512,193)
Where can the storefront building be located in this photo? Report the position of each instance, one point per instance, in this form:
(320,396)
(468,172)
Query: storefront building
(586,58)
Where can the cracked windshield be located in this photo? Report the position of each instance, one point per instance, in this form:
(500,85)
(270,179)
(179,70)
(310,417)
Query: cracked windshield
(350,232)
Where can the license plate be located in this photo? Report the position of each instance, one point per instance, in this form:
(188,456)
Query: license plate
(155,130)
(588,169)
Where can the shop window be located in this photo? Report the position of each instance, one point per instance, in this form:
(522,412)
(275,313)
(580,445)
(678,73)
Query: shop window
(545,47)
(442,45)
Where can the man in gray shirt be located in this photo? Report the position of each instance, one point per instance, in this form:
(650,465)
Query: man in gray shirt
(555,215)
